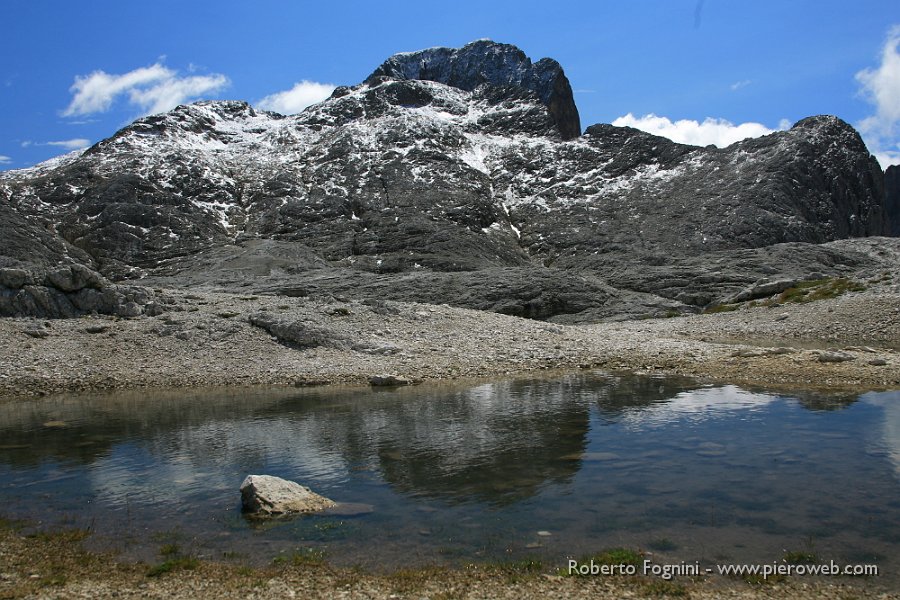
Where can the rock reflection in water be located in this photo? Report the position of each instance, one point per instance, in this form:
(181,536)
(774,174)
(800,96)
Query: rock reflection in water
(495,443)
(596,459)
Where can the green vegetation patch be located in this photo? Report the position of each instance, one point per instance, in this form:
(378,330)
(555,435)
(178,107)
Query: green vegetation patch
(175,560)
(620,561)
(720,308)
(11,524)
(170,550)
(800,558)
(819,289)
(665,589)
(412,581)
(513,571)
(179,563)
(805,291)
(620,556)
(302,557)
(662,545)
(64,535)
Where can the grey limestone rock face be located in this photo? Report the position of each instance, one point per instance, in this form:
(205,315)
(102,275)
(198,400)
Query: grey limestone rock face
(15,279)
(67,291)
(449,176)
(266,495)
(73,278)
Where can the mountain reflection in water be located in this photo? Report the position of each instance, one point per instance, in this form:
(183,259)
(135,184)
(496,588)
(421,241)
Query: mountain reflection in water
(472,470)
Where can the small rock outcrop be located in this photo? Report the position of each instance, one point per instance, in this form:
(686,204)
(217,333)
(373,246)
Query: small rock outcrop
(70,291)
(761,289)
(298,334)
(267,495)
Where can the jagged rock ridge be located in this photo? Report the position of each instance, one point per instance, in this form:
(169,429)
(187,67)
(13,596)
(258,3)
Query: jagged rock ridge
(499,65)
(450,181)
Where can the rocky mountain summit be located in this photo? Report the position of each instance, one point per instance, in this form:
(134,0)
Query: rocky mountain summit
(453,176)
(501,66)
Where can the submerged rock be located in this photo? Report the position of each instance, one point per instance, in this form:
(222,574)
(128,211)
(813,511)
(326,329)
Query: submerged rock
(267,495)
(387,380)
(350,509)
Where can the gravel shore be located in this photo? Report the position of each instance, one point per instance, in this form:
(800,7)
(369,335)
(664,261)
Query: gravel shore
(54,566)
(210,339)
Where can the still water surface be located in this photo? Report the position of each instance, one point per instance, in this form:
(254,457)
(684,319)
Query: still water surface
(453,474)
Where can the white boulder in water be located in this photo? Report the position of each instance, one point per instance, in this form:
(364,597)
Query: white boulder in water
(268,495)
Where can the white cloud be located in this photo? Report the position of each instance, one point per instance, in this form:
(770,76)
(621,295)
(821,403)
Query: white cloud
(297,98)
(152,89)
(881,87)
(885,157)
(739,84)
(76,144)
(718,132)
(5,160)
(168,94)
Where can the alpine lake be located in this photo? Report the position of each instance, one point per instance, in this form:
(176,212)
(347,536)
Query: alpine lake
(520,469)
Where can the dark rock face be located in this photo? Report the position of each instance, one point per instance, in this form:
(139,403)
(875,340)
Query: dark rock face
(488,63)
(646,194)
(451,175)
(70,291)
(892,198)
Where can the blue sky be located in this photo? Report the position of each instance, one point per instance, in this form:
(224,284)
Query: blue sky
(72,73)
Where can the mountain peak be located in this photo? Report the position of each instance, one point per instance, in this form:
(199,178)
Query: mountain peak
(485,62)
